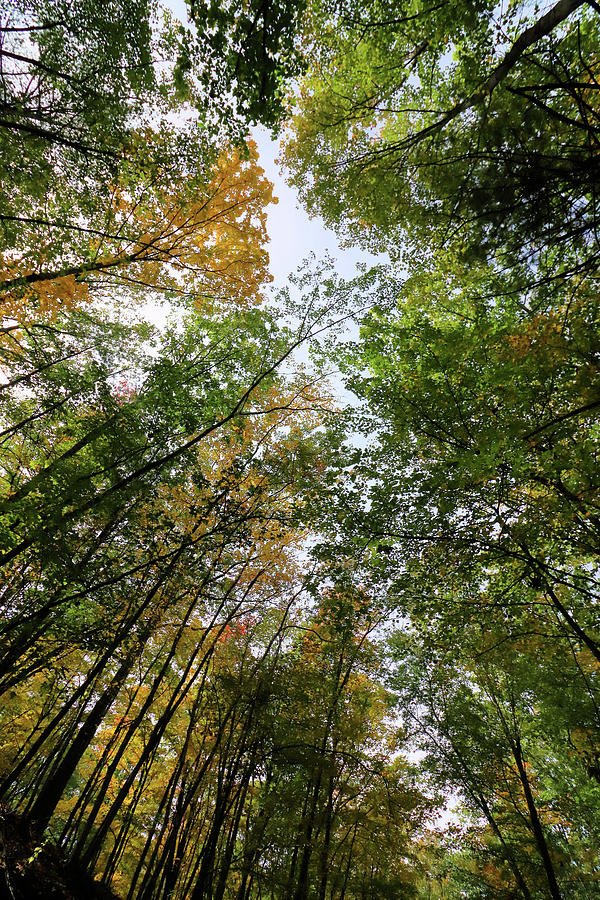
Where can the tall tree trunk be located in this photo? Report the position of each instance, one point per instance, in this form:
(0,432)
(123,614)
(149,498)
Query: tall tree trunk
(41,811)
(536,825)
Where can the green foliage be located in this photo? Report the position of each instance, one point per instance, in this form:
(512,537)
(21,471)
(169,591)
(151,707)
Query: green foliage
(418,122)
(460,139)
(254,646)
(249,49)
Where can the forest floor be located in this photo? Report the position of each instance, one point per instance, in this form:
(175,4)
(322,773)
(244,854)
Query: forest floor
(33,869)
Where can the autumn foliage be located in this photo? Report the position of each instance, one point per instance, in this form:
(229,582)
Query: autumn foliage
(257,643)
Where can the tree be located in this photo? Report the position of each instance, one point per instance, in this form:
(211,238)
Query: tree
(98,179)
(333,809)
(151,530)
(495,727)
(472,509)
(418,123)
(176,233)
(75,78)
(486,442)
(250,49)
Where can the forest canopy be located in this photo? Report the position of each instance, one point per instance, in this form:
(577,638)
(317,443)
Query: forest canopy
(258,642)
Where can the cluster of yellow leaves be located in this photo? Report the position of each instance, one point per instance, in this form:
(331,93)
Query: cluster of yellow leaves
(205,240)
(539,334)
(42,300)
(201,240)
(19,717)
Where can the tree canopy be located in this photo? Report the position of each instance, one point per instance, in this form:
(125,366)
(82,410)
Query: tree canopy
(257,642)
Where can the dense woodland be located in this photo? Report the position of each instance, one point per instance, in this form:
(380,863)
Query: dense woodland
(258,643)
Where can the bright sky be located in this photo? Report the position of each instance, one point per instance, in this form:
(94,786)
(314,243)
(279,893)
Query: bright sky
(293,234)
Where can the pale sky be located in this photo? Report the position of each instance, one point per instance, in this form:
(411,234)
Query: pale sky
(293,234)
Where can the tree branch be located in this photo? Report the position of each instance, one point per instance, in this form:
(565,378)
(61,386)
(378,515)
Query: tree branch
(530,36)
